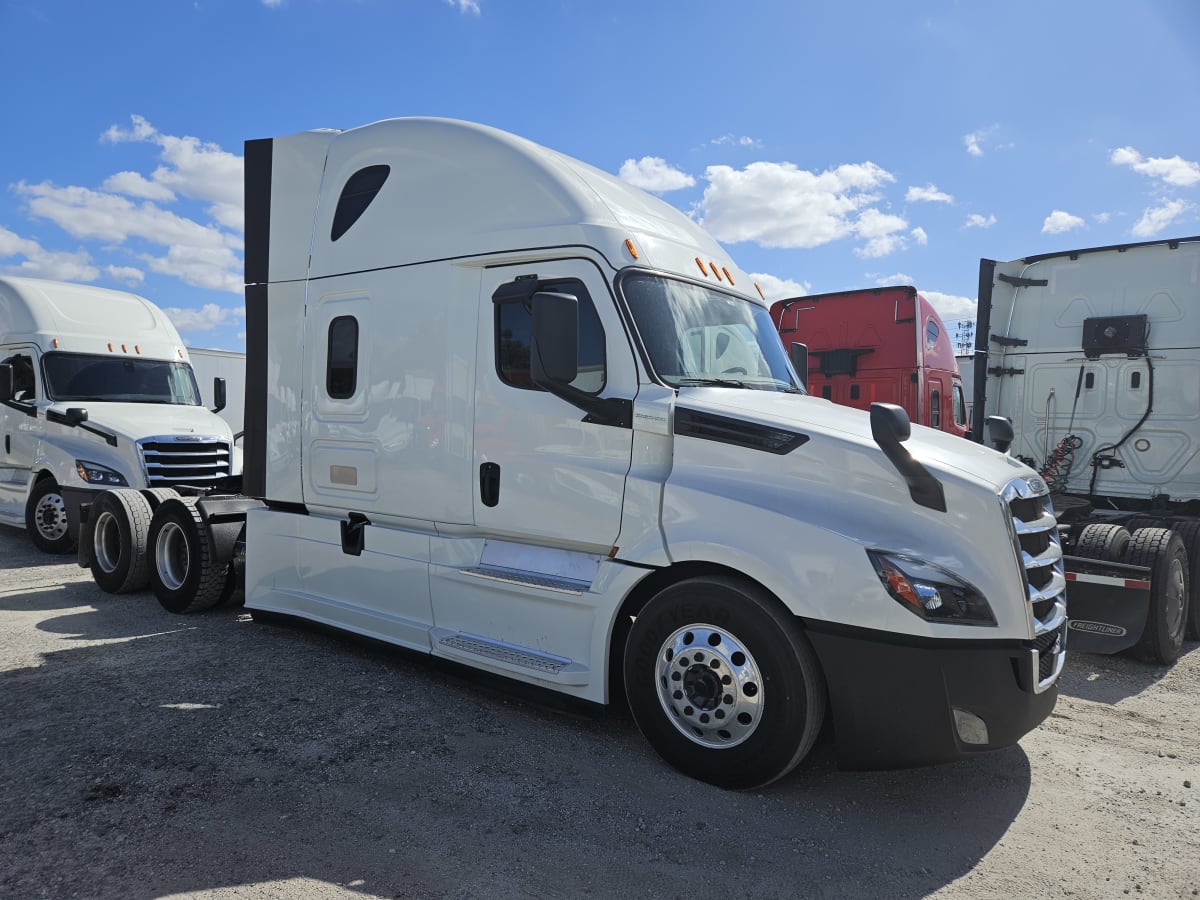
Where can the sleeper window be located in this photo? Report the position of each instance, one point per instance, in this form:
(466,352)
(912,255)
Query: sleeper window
(341,374)
(513,325)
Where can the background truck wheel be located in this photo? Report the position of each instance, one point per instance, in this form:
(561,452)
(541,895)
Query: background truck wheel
(46,518)
(722,683)
(1163,552)
(1107,542)
(120,524)
(155,496)
(184,573)
(1189,530)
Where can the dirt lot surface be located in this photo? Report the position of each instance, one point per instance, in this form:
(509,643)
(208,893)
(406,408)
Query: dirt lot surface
(147,754)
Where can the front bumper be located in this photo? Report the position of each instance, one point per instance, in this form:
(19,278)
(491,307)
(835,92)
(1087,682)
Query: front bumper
(894,698)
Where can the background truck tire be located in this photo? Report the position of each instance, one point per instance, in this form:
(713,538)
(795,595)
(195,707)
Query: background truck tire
(184,575)
(46,518)
(1162,551)
(1106,542)
(1189,530)
(723,683)
(120,525)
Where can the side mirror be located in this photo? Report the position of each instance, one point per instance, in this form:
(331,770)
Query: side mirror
(889,423)
(219,397)
(554,339)
(1000,432)
(73,417)
(6,382)
(799,356)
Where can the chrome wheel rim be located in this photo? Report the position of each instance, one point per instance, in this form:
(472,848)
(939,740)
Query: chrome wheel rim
(171,556)
(709,686)
(51,517)
(106,542)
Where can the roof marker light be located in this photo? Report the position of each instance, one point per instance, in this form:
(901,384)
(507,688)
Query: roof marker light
(728,277)
(760,293)
(55,343)
(137,348)
(123,350)
(110,346)
(632,249)
(715,270)
(703,269)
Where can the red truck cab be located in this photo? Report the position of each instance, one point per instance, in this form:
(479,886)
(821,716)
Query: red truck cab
(880,345)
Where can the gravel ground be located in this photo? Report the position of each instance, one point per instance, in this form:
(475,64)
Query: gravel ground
(148,755)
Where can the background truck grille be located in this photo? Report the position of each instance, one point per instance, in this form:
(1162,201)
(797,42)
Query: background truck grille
(190,460)
(1035,530)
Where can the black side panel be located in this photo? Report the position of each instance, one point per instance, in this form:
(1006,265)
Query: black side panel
(258,210)
(254,444)
(983,329)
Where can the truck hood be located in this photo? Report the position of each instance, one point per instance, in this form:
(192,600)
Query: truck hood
(134,421)
(813,416)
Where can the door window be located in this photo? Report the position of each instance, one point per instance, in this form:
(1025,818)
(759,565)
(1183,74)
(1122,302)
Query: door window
(935,409)
(513,324)
(24,385)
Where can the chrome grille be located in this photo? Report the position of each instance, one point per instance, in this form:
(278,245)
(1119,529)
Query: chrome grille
(1036,540)
(189,459)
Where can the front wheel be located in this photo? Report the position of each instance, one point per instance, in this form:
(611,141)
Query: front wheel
(46,518)
(722,683)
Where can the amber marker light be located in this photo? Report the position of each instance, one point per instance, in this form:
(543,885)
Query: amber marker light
(703,269)
(760,293)
(137,348)
(632,249)
(110,346)
(55,343)
(715,270)
(728,277)
(123,350)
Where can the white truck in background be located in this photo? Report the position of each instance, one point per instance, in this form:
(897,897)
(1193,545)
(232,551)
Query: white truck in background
(230,366)
(1093,355)
(96,392)
(507,410)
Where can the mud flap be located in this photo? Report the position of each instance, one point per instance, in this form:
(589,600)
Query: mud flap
(86,530)
(1107,604)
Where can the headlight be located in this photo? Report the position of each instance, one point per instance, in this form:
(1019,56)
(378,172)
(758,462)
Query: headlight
(94,473)
(930,591)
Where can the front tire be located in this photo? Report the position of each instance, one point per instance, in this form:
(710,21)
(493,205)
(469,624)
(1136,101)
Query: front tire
(184,575)
(120,524)
(46,519)
(723,683)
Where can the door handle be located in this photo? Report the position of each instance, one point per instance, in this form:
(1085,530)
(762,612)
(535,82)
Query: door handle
(489,483)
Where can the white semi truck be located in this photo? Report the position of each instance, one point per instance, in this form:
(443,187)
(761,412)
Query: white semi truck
(96,392)
(1093,355)
(507,410)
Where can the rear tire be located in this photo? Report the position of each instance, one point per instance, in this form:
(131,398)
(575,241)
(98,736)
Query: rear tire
(120,525)
(185,575)
(46,519)
(1189,530)
(1104,542)
(1162,551)
(722,683)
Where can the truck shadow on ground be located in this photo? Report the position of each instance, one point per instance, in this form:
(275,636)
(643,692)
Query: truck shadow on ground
(276,754)
(1110,679)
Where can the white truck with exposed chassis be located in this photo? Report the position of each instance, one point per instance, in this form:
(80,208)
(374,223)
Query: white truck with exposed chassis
(1093,357)
(507,410)
(96,392)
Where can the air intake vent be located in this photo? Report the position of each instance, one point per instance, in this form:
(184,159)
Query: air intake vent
(725,430)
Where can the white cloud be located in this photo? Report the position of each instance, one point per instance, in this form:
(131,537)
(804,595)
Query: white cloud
(1058,222)
(39,262)
(125,274)
(881,232)
(471,6)
(927,194)
(215,268)
(781,205)
(1102,218)
(1174,170)
(1155,219)
(898,278)
(137,185)
(272,4)
(774,288)
(206,318)
(975,220)
(919,235)
(951,307)
(728,140)
(653,173)
(974,140)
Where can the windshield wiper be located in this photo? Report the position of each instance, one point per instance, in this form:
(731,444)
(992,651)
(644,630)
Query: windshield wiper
(712,382)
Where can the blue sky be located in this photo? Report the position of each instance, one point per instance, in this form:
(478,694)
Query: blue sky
(828,146)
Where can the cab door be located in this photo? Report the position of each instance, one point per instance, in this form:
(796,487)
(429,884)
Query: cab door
(18,433)
(545,472)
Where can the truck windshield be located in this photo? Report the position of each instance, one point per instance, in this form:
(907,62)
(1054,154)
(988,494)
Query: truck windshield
(78,376)
(696,335)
